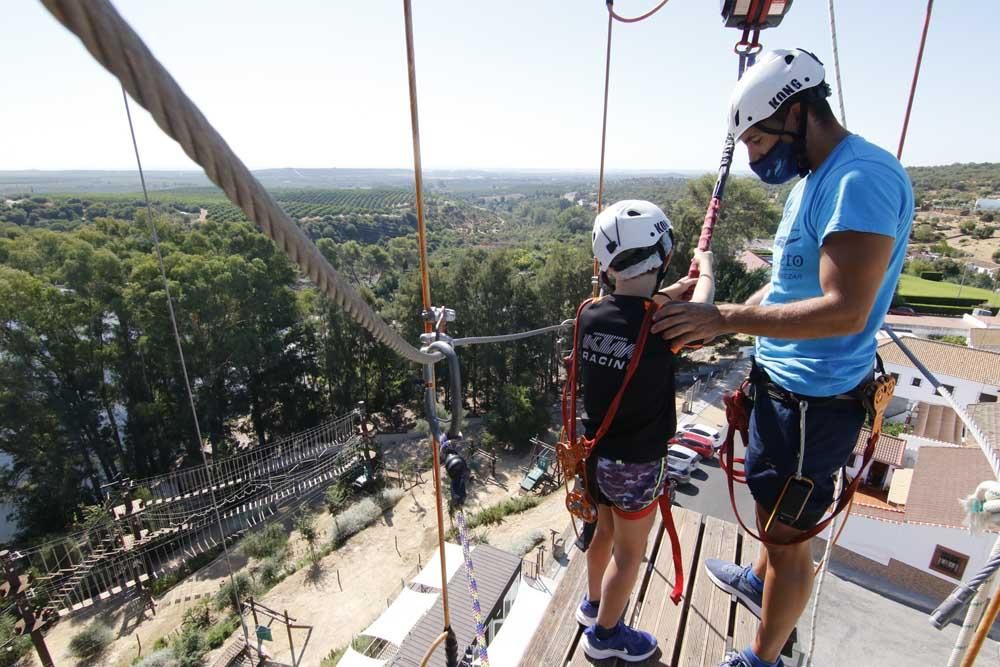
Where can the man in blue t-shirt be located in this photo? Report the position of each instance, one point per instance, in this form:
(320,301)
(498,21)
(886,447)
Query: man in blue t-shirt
(838,253)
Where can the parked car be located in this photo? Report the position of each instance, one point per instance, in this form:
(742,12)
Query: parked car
(702,446)
(683,455)
(902,310)
(702,430)
(678,472)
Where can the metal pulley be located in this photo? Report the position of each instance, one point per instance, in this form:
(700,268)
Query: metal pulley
(754,14)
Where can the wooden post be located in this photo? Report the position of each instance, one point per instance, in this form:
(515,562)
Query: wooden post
(253,611)
(43,652)
(291,645)
(339,585)
(396,540)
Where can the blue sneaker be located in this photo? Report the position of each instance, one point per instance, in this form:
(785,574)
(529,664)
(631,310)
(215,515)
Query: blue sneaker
(732,578)
(586,613)
(625,643)
(740,659)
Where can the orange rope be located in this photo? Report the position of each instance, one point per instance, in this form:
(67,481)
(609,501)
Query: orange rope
(636,19)
(425,286)
(916,75)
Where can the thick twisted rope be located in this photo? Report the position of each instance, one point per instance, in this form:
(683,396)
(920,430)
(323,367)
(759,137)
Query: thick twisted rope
(114,44)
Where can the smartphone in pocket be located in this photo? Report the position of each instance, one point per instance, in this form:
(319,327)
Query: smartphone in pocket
(792,501)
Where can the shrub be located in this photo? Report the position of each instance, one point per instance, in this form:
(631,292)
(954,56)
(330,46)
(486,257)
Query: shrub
(337,497)
(306,525)
(233,591)
(17,647)
(219,633)
(362,514)
(528,542)
(197,617)
(162,658)
(266,543)
(91,642)
(189,649)
(932,275)
(272,571)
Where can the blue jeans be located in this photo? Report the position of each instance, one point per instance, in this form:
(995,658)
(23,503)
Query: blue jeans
(832,428)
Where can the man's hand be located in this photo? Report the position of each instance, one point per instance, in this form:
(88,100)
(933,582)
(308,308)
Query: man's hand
(681,323)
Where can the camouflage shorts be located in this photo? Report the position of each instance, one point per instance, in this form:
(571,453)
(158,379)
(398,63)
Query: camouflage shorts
(630,487)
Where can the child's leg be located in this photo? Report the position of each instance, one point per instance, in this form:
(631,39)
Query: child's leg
(599,552)
(630,536)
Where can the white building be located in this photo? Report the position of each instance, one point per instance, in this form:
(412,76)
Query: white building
(922,544)
(970,375)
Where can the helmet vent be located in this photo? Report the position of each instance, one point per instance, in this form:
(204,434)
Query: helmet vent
(789,58)
(632,212)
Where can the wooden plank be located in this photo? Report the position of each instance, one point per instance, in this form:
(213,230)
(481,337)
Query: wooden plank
(707,627)
(655,612)
(579,658)
(746,623)
(558,630)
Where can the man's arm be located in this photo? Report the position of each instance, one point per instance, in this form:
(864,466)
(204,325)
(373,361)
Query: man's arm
(757,297)
(852,267)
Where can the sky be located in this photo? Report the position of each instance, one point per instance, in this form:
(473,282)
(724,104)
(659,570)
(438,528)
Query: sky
(515,84)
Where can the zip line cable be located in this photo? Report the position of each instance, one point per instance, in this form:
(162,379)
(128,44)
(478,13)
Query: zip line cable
(595,281)
(180,354)
(447,634)
(836,64)
(916,75)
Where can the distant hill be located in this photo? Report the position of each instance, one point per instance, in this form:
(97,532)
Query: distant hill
(955,184)
(442,180)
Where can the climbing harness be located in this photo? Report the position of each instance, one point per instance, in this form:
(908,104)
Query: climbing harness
(875,395)
(573,452)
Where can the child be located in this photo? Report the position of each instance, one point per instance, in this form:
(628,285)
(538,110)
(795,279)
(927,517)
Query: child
(626,470)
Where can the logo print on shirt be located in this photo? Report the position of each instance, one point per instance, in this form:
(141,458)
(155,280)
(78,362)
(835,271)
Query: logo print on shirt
(607,350)
(789,260)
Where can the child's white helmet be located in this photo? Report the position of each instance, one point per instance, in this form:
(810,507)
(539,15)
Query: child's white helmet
(627,225)
(764,88)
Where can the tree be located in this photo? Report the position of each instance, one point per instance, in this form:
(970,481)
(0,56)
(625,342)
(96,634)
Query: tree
(519,413)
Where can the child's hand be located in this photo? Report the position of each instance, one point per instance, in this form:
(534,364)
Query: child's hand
(704,259)
(675,291)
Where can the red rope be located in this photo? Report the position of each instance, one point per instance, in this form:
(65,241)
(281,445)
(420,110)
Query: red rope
(916,75)
(636,19)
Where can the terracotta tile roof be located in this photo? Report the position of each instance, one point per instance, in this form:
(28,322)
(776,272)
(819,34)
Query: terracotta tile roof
(937,422)
(927,321)
(942,476)
(752,261)
(954,360)
(883,513)
(889,449)
(985,339)
(987,417)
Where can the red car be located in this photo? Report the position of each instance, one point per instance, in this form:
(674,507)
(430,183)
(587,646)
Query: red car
(703,446)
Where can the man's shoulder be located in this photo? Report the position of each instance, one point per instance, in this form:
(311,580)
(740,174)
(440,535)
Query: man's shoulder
(861,158)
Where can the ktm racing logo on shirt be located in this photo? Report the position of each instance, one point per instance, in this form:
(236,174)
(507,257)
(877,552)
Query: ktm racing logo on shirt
(607,350)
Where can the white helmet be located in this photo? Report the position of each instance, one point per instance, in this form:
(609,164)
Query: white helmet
(777,76)
(632,224)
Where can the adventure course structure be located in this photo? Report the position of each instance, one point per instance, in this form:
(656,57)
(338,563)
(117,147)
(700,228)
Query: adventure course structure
(155,523)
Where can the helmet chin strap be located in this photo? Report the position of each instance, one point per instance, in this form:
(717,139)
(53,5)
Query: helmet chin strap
(798,139)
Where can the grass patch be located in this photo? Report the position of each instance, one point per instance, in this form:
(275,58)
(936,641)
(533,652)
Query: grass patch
(495,514)
(362,514)
(914,287)
(526,543)
(90,643)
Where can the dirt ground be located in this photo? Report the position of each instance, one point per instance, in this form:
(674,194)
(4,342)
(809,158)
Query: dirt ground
(346,590)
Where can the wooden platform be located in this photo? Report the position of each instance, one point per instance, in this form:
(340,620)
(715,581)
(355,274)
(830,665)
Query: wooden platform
(695,633)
